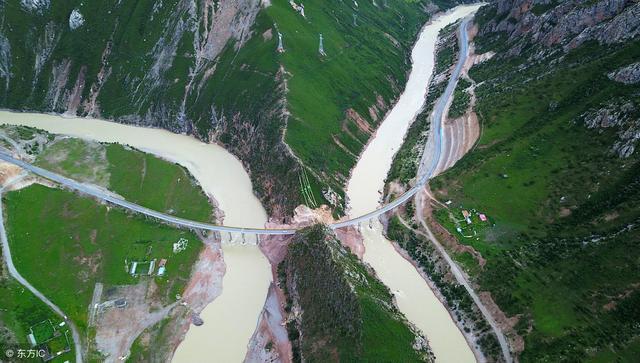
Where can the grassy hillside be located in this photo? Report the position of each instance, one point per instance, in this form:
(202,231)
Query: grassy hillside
(363,62)
(346,313)
(561,240)
(155,183)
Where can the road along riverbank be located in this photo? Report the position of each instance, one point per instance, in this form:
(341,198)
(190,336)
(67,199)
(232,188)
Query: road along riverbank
(230,320)
(364,193)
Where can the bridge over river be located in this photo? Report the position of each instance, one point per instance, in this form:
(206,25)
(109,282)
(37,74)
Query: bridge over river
(101,194)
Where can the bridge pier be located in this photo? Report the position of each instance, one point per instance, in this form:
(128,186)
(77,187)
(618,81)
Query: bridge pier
(71,184)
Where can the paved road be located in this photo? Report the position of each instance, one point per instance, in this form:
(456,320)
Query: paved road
(429,162)
(462,280)
(6,252)
(429,165)
(103,195)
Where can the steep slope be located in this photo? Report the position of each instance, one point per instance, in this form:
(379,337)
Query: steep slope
(211,69)
(338,310)
(556,172)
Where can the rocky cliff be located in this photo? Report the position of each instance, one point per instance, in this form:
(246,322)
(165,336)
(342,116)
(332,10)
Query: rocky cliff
(565,24)
(546,31)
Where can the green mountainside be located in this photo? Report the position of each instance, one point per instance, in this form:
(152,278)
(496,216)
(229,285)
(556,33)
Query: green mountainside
(211,69)
(556,174)
(339,311)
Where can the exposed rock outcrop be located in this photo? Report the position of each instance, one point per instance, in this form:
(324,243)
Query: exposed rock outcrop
(624,26)
(75,19)
(5,59)
(35,5)
(623,115)
(568,23)
(627,75)
(44,47)
(545,30)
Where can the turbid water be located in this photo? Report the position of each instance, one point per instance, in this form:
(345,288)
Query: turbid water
(364,191)
(231,318)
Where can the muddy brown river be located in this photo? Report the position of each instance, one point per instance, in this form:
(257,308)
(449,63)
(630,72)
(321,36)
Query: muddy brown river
(364,192)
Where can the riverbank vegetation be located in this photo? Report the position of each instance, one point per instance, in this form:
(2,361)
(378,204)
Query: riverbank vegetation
(154,344)
(346,313)
(461,99)
(560,248)
(447,49)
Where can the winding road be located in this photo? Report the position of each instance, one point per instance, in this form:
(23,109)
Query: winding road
(429,163)
(6,252)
